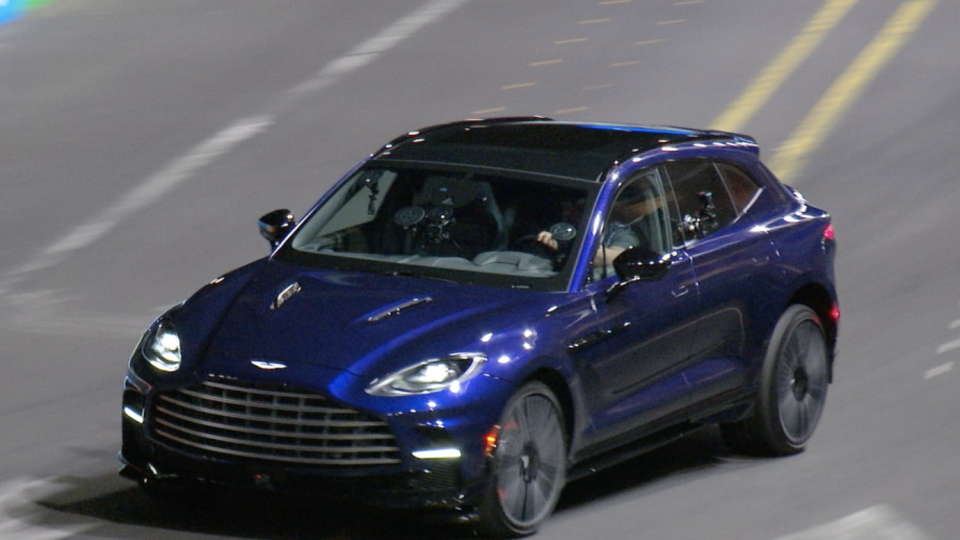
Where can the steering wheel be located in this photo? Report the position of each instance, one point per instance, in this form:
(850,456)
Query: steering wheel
(561,232)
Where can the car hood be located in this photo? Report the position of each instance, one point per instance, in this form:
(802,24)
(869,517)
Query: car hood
(358,322)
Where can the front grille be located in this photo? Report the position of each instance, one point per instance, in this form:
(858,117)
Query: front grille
(273,424)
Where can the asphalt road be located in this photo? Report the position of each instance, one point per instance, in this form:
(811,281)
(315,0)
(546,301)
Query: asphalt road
(140,141)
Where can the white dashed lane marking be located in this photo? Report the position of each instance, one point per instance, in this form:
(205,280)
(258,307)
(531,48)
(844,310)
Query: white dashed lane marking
(151,189)
(875,523)
(950,346)
(20,514)
(943,349)
(939,370)
(22,518)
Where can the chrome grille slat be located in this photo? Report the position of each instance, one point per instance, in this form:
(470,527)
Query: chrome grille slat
(273,446)
(274,433)
(255,417)
(262,404)
(256,391)
(219,450)
(271,424)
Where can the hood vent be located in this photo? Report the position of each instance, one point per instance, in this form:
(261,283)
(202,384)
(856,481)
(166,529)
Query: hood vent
(395,309)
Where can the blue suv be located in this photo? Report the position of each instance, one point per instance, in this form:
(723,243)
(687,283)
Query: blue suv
(484,310)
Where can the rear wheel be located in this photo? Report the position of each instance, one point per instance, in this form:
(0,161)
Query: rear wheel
(793,389)
(529,463)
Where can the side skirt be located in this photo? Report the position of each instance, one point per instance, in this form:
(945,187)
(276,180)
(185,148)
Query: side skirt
(729,407)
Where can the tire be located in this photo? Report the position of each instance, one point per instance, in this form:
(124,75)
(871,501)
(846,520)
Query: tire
(793,389)
(529,464)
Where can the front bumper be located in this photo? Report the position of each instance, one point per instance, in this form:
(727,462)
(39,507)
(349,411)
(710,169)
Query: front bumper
(438,486)
(155,452)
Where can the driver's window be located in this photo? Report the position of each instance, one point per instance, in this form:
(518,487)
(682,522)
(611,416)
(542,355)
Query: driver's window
(638,218)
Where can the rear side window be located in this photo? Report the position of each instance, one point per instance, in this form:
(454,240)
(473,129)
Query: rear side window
(702,198)
(743,189)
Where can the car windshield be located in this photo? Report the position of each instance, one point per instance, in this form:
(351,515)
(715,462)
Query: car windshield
(467,226)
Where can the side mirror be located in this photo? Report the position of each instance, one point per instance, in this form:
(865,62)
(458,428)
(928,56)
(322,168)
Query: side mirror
(641,264)
(275,226)
(638,264)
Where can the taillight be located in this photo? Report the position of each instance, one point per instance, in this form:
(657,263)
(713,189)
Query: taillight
(828,232)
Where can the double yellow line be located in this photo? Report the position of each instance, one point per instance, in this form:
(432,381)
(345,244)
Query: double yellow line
(790,159)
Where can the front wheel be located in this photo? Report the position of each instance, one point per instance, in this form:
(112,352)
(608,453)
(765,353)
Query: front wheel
(529,463)
(793,389)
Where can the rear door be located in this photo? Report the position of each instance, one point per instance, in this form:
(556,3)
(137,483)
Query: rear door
(734,265)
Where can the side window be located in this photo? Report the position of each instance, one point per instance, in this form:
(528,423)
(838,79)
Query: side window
(638,218)
(703,200)
(743,189)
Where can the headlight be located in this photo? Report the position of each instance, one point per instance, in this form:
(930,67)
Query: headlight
(161,346)
(430,376)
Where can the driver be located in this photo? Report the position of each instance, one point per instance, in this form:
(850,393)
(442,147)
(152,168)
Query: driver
(617,238)
(570,212)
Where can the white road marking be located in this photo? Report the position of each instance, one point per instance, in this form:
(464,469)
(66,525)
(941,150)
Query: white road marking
(147,193)
(19,512)
(947,347)
(150,190)
(407,26)
(875,523)
(367,51)
(942,349)
(47,312)
(939,370)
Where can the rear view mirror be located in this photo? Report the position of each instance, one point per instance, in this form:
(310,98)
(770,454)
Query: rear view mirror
(275,226)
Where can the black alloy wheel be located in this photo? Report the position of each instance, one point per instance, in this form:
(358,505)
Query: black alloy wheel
(529,463)
(793,389)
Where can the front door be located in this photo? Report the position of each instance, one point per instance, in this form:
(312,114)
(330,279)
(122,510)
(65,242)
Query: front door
(631,359)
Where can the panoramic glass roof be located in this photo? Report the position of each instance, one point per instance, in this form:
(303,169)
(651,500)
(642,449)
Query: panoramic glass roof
(582,151)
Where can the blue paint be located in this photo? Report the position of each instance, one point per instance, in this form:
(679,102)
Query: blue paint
(422,341)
